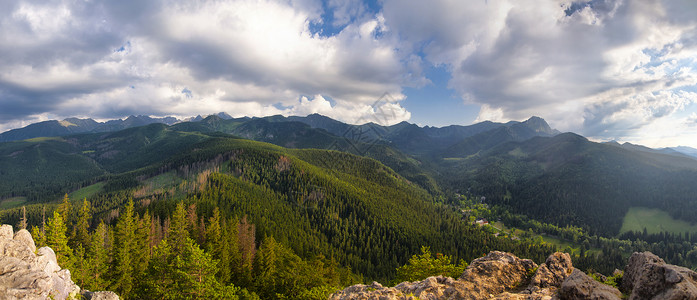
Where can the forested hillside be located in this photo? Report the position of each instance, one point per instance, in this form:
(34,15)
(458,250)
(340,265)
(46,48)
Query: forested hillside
(568,180)
(351,214)
(204,201)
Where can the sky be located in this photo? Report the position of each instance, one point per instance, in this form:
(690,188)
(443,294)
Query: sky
(605,69)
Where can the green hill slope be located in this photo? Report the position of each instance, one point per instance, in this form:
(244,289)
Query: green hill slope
(568,180)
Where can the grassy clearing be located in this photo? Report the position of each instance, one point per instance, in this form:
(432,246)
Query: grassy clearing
(12,202)
(163,180)
(86,192)
(654,220)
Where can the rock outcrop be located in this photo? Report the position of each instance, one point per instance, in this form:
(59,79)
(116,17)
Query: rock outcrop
(500,276)
(648,277)
(579,286)
(28,273)
(553,272)
(495,275)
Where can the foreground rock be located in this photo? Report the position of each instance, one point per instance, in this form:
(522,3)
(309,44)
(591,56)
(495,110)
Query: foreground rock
(502,276)
(648,277)
(495,275)
(28,273)
(581,286)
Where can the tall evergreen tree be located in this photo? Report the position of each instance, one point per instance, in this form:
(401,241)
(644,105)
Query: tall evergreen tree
(195,275)
(123,250)
(58,241)
(265,267)
(39,236)
(218,245)
(80,233)
(99,258)
(80,272)
(178,230)
(64,209)
(142,247)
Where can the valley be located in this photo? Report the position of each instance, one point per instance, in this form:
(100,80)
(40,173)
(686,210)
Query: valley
(299,192)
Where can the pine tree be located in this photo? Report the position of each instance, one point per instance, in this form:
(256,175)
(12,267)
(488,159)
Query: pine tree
(217,245)
(142,247)
(178,230)
(265,266)
(80,234)
(232,254)
(64,209)
(58,241)
(123,251)
(192,222)
(39,236)
(159,282)
(80,270)
(99,258)
(195,275)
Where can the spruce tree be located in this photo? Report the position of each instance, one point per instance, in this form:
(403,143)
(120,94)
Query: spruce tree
(39,236)
(218,246)
(265,267)
(80,271)
(195,275)
(123,251)
(99,258)
(64,209)
(58,241)
(142,247)
(178,230)
(80,233)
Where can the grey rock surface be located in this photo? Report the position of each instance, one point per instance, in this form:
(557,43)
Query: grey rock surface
(579,286)
(27,273)
(648,277)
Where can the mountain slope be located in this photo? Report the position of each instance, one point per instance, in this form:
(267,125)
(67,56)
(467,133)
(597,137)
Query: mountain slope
(351,208)
(568,180)
(70,126)
(43,168)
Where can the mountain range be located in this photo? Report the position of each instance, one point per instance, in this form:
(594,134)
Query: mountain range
(405,136)
(528,167)
(358,198)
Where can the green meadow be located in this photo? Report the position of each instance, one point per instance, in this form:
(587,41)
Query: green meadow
(654,220)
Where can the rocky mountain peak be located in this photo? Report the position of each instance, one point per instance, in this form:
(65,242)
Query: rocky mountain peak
(539,125)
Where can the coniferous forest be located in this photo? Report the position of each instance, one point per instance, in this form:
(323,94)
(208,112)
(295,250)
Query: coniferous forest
(171,212)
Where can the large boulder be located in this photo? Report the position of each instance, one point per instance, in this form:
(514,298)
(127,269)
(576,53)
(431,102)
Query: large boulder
(493,274)
(648,277)
(18,280)
(23,236)
(579,286)
(26,273)
(553,271)
(372,291)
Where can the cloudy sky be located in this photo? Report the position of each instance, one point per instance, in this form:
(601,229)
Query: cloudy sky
(606,69)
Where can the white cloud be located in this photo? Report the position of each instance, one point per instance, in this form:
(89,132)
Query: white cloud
(385,111)
(242,57)
(603,68)
(599,67)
